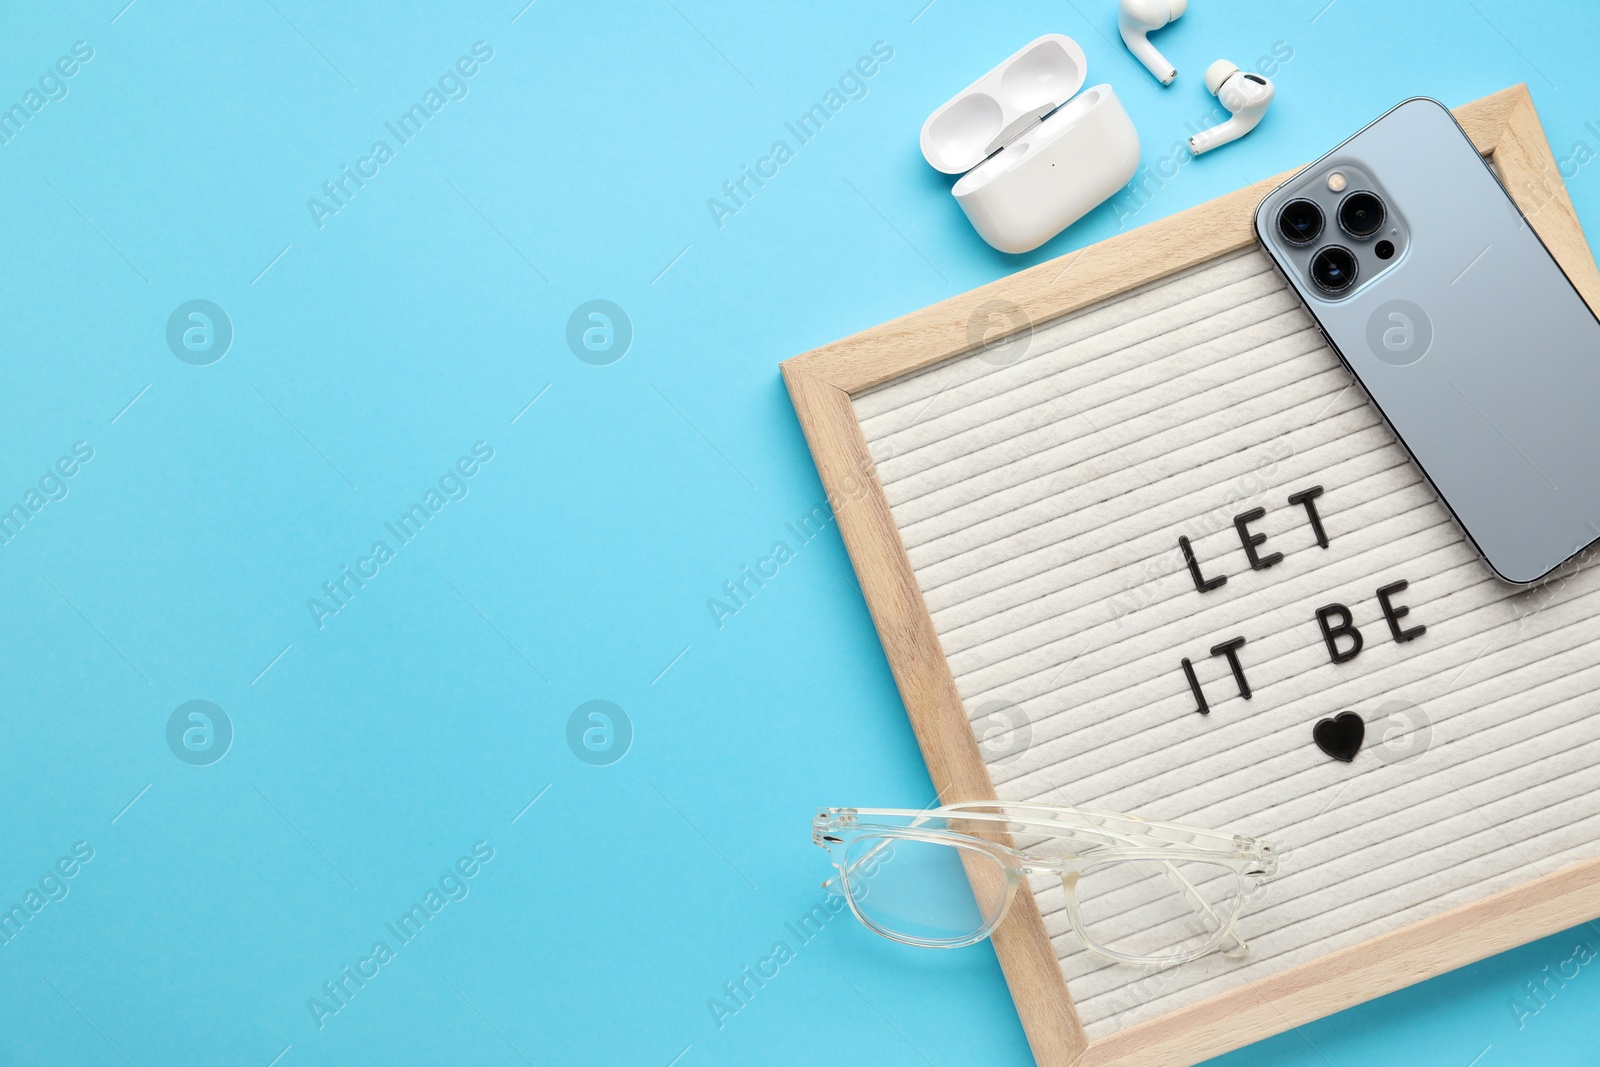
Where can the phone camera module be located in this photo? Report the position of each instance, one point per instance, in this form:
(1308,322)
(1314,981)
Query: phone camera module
(1300,222)
(1333,269)
(1361,214)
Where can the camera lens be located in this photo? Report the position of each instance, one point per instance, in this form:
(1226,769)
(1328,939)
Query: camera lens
(1300,221)
(1361,214)
(1333,269)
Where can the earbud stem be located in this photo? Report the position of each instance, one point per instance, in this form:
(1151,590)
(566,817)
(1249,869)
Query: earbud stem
(1220,134)
(1154,61)
(1206,140)
(1215,137)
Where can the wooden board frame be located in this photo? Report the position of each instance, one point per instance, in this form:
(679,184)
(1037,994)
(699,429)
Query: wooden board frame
(1506,129)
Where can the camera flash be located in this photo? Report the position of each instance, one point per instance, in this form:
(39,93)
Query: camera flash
(1336,182)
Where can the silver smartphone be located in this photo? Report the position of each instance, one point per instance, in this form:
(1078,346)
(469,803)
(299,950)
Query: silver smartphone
(1430,285)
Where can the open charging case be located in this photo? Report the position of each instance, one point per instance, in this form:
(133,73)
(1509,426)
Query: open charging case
(1037,155)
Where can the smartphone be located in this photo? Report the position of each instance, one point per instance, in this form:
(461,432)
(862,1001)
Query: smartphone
(1427,281)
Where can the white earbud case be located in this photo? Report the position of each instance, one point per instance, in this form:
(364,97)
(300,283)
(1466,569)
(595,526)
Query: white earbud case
(1036,156)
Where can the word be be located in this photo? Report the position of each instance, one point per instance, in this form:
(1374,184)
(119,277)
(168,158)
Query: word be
(452,886)
(52,486)
(452,485)
(1392,614)
(1566,971)
(451,86)
(53,886)
(852,84)
(52,86)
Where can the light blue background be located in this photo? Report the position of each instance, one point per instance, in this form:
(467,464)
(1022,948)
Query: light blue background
(424,316)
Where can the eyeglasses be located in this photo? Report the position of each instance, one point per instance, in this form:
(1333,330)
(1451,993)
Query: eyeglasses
(1139,892)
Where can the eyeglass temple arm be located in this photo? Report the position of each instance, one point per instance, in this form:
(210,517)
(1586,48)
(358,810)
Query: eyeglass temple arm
(1232,943)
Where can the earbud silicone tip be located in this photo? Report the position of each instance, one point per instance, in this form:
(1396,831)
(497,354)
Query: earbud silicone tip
(1178,7)
(1219,72)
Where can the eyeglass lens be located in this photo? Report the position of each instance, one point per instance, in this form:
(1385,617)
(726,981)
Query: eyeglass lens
(923,891)
(1157,909)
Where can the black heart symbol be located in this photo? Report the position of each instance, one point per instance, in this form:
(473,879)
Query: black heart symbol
(1341,737)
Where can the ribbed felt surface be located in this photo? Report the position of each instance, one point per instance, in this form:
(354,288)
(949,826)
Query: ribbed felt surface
(1041,501)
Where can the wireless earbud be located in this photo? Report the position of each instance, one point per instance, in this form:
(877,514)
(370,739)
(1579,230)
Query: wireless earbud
(1135,18)
(1246,96)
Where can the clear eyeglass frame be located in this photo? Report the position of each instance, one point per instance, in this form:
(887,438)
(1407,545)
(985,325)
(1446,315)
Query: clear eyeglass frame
(1066,843)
